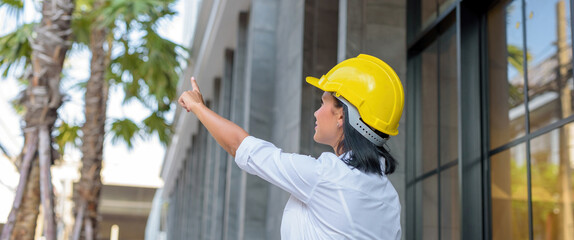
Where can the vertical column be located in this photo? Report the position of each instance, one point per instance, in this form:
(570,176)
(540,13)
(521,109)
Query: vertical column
(319,56)
(237,95)
(260,85)
(211,174)
(287,104)
(191,229)
(221,155)
(378,28)
(469,134)
(200,173)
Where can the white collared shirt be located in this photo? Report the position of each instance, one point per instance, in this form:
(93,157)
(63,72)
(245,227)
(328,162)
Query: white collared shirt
(329,199)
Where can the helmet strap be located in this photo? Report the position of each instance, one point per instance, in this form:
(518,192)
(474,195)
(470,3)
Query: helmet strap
(360,126)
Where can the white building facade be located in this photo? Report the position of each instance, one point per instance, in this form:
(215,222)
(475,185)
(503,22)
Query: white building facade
(251,59)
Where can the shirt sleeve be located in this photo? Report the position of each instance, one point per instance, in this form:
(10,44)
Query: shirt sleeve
(294,173)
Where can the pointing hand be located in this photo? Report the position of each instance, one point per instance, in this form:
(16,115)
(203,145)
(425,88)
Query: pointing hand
(191,100)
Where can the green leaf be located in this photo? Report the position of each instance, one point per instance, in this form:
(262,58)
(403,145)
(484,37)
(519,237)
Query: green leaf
(128,11)
(81,25)
(157,124)
(67,135)
(17,4)
(162,67)
(147,68)
(80,85)
(516,57)
(18,107)
(124,130)
(15,50)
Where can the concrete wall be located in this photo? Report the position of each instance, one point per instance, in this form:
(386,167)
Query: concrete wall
(260,86)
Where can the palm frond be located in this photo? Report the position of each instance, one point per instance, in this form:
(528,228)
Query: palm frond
(16,4)
(67,134)
(122,73)
(79,86)
(15,50)
(162,67)
(157,124)
(18,107)
(125,130)
(128,11)
(516,57)
(81,25)
(14,8)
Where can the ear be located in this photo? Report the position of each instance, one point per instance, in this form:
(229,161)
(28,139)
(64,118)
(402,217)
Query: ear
(339,114)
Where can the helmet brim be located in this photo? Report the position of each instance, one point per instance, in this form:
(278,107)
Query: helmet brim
(314,81)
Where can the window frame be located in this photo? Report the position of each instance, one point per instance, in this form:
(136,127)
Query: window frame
(473,168)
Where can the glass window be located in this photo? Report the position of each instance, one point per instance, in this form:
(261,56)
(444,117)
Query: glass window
(429,110)
(431,9)
(506,78)
(427,209)
(443,5)
(437,196)
(509,193)
(448,97)
(428,12)
(439,104)
(536,55)
(549,61)
(449,204)
(552,162)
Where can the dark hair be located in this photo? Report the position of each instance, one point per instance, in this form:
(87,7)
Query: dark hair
(364,154)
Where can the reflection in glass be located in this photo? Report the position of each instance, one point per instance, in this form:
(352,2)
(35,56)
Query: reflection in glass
(552,156)
(429,110)
(509,193)
(439,103)
(449,204)
(431,9)
(506,78)
(427,214)
(549,54)
(444,5)
(448,108)
(428,12)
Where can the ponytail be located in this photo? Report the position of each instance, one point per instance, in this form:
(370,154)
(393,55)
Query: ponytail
(364,155)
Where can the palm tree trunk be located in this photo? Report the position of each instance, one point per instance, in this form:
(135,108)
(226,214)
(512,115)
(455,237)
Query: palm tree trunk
(27,214)
(78,223)
(31,144)
(42,101)
(47,194)
(94,131)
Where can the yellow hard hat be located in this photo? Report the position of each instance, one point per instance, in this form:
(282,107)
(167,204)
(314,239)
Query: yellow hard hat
(371,86)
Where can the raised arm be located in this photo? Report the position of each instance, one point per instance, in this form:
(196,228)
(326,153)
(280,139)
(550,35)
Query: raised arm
(228,134)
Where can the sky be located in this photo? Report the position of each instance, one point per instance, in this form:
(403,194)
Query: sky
(119,162)
(540,29)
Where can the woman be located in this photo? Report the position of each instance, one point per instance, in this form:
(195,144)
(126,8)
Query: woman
(340,195)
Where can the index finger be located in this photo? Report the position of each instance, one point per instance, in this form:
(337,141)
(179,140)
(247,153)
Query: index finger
(194,84)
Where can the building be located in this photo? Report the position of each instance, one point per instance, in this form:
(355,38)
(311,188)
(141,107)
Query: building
(485,144)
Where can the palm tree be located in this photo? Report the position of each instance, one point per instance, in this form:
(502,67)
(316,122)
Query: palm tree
(15,55)
(44,55)
(146,68)
(516,59)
